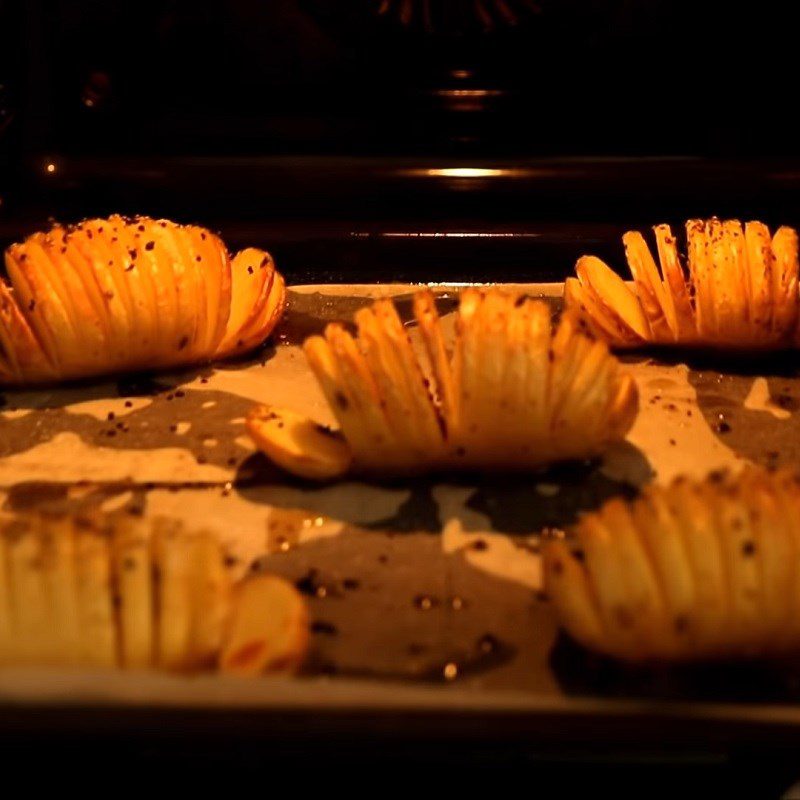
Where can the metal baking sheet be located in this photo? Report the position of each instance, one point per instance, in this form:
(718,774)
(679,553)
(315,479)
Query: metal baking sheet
(423,594)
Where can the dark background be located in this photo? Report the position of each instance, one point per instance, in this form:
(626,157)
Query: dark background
(316,127)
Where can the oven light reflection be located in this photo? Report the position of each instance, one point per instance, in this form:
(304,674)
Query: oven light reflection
(468,172)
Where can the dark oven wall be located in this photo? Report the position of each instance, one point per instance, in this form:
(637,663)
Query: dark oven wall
(400,139)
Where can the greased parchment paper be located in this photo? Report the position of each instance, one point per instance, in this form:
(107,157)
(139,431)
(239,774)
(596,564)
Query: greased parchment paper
(431,582)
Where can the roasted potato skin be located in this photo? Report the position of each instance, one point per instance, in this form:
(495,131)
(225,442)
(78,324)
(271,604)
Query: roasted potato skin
(693,571)
(116,591)
(129,293)
(405,410)
(738,290)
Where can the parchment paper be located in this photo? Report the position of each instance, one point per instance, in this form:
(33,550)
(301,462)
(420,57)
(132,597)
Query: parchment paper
(432,586)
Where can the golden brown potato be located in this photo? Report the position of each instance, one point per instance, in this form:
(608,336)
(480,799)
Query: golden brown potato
(268,629)
(515,393)
(119,294)
(738,290)
(115,591)
(691,571)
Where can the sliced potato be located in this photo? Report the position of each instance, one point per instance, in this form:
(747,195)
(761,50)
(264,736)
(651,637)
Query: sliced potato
(568,588)
(675,286)
(513,394)
(605,283)
(267,629)
(299,445)
(741,291)
(723,553)
(97,591)
(174,595)
(656,302)
(248,282)
(133,571)
(26,357)
(96,594)
(210,587)
(32,641)
(120,294)
(41,306)
(430,326)
(60,575)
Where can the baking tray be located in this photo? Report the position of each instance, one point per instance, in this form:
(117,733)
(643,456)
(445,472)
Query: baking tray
(425,595)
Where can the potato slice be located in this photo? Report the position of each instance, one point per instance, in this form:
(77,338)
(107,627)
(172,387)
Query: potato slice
(492,362)
(690,506)
(537,410)
(513,396)
(170,265)
(298,444)
(623,408)
(174,594)
(675,286)
(601,319)
(34,639)
(198,347)
(609,584)
(582,417)
(787,495)
(268,309)
(743,568)
(91,239)
(267,629)
(68,259)
(760,263)
(60,576)
(723,277)
(404,411)
(328,373)
(255,334)
(363,389)
(133,571)
(27,359)
(567,586)
(660,533)
(96,596)
(701,274)
(210,587)
(785,281)
(395,339)
(130,260)
(214,267)
(90,326)
(430,326)
(773,541)
(606,284)
(248,281)
(465,365)
(648,609)
(656,302)
(59,285)
(569,352)
(40,305)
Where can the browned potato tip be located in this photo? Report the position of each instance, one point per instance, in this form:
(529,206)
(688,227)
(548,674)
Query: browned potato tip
(120,294)
(693,571)
(512,392)
(78,591)
(736,288)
